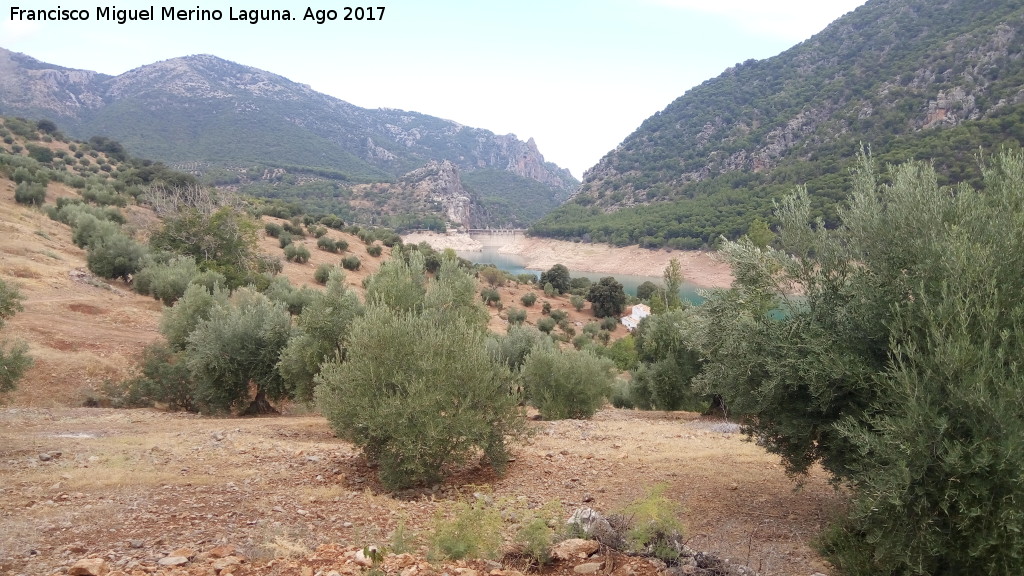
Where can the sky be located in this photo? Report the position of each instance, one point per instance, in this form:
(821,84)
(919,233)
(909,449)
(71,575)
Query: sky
(578,76)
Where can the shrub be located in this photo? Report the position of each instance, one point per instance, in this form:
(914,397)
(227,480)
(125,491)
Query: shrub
(165,380)
(559,315)
(297,253)
(526,278)
(580,341)
(284,239)
(471,530)
(609,323)
(536,534)
(512,348)
(273,230)
(549,290)
(492,276)
(322,333)
(323,273)
(294,226)
(340,245)
(166,281)
(350,262)
(115,256)
(326,244)
(654,526)
(546,308)
(294,299)
(621,396)
(418,396)
(516,316)
(87,229)
(546,325)
(374,250)
(33,194)
(490,296)
(577,302)
(528,299)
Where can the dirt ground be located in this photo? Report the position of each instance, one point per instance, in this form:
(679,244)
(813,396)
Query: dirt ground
(132,486)
(136,487)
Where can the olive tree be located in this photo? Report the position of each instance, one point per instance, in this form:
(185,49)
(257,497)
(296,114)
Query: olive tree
(418,391)
(233,355)
(322,334)
(895,364)
(566,384)
(14,361)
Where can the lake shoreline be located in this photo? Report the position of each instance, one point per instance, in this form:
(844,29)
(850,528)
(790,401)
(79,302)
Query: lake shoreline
(703,269)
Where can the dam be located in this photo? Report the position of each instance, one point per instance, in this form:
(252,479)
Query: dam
(496,236)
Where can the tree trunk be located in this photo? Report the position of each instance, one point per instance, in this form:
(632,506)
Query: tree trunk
(260,405)
(717,408)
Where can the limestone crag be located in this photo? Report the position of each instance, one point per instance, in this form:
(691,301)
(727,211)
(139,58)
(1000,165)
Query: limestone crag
(439,182)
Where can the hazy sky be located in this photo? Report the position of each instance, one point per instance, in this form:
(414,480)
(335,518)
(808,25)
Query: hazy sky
(576,75)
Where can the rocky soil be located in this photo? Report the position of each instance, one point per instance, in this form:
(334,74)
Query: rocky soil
(149,492)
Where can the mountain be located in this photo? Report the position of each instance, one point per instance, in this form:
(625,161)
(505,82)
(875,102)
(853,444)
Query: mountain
(247,128)
(911,79)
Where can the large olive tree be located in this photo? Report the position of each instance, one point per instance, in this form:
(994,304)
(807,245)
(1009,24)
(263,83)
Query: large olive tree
(889,350)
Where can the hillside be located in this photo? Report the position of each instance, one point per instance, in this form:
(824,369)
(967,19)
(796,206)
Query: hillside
(910,79)
(148,491)
(259,132)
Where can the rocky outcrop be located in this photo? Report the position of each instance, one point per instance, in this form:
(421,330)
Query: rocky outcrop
(522,159)
(439,182)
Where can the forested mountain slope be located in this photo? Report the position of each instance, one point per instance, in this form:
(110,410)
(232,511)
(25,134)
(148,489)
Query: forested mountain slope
(240,126)
(911,79)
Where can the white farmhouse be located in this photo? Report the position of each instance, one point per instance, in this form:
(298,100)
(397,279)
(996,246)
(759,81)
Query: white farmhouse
(639,312)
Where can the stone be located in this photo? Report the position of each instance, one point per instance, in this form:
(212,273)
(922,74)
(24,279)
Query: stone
(588,568)
(173,561)
(136,543)
(363,557)
(221,551)
(574,548)
(184,552)
(625,570)
(44,457)
(226,562)
(88,567)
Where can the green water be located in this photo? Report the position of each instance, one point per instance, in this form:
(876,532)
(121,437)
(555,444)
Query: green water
(514,265)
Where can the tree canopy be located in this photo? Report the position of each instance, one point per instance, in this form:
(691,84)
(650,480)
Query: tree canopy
(607,297)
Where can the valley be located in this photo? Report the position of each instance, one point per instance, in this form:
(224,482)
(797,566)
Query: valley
(249,328)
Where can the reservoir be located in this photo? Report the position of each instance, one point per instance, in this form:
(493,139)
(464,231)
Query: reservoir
(515,265)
